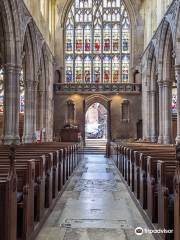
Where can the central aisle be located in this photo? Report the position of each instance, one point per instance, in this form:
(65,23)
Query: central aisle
(95,206)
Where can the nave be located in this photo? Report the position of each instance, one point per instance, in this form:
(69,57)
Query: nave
(95,205)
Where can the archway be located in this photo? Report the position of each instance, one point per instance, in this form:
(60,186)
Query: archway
(96,122)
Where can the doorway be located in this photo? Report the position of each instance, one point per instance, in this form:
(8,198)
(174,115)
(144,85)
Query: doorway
(96,122)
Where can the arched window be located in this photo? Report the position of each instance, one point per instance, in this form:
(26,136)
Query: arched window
(174,99)
(22,91)
(1,90)
(97,42)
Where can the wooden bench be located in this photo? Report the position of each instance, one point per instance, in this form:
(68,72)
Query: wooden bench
(25,186)
(8,209)
(53,165)
(177,204)
(149,170)
(165,175)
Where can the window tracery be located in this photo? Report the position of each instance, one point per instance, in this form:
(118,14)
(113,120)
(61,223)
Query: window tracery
(97,42)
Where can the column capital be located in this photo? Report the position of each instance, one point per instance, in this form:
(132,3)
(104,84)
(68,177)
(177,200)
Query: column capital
(28,83)
(152,92)
(177,67)
(177,72)
(167,83)
(160,83)
(10,67)
(35,84)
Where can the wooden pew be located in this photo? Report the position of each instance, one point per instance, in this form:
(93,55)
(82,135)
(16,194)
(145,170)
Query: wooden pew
(177,204)
(8,209)
(25,186)
(165,175)
(149,171)
(46,157)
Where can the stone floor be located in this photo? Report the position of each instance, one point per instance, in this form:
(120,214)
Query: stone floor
(95,206)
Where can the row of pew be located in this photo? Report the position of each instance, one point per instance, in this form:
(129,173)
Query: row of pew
(32,177)
(152,173)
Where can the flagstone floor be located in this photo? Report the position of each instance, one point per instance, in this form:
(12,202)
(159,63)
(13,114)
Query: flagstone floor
(95,206)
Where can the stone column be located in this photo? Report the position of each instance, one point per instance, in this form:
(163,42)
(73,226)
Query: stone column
(28,113)
(177,70)
(34,109)
(153,116)
(84,123)
(109,132)
(11,103)
(166,120)
(41,109)
(148,136)
(161,126)
(46,119)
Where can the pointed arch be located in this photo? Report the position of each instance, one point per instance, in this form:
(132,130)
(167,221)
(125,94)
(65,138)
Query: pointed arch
(97,98)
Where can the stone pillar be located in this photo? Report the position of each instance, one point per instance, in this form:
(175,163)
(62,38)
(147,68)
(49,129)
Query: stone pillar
(161,126)
(41,109)
(11,103)
(46,119)
(148,136)
(167,119)
(84,123)
(34,109)
(28,113)
(153,116)
(177,70)
(109,132)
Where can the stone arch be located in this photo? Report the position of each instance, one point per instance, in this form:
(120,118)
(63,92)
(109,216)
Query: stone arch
(11,60)
(30,69)
(177,40)
(10,20)
(150,58)
(30,48)
(97,98)
(41,92)
(163,34)
(106,102)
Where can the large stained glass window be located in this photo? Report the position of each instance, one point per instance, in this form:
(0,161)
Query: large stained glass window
(1,90)
(97,42)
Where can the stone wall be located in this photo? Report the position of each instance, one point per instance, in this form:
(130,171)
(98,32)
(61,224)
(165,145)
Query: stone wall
(120,128)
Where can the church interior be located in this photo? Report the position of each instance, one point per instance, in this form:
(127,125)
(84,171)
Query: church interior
(89,119)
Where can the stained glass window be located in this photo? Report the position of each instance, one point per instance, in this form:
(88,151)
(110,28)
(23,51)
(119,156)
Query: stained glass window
(97,42)
(1,90)
(69,69)
(87,69)
(78,69)
(174,100)
(22,92)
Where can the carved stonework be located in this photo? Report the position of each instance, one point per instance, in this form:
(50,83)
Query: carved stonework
(25,18)
(172,16)
(86,88)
